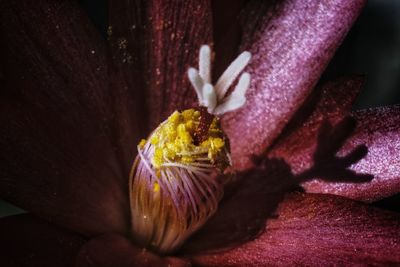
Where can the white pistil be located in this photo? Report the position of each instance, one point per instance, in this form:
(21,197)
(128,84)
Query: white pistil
(215,98)
(209,97)
(237,99)
(231,73)
(197,83)
(205,63)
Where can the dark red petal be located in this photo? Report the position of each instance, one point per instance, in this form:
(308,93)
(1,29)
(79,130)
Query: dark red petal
(28,241)
(293,43)
(158,41)
(379,130)
(332,103)
(116,250)
(58,155)
(247,203)
(318,230)
(227,32)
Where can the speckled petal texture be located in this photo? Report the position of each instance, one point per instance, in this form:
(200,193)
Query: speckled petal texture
(26,241)
(158,41)
(293,43)
(318,230)
(331,103)
(58,158)
(379,130)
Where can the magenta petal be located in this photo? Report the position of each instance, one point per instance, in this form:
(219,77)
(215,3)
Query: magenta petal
(157,41)
(293,44)
(318,230)
(28,241)
(332,103)
(58,158)
(379,130)
(116,250)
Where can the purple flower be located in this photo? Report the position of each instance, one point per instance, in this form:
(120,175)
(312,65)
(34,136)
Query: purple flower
(73,108)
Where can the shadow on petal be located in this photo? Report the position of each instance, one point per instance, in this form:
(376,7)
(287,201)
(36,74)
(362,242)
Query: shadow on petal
(379,130)
(291,43)
(253,198)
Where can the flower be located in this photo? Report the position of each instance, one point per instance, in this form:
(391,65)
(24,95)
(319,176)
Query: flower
(72,112)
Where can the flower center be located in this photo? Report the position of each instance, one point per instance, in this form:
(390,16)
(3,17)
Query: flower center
(174,141)
(177,179)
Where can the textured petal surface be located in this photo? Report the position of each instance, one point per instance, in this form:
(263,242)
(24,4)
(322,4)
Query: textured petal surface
(28,241)
(318,230)
(332,103)
(293,43)
(58,156)
(157,41)
(116,250)
(379,130)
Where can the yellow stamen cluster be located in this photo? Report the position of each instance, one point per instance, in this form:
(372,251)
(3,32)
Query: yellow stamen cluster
(173,140)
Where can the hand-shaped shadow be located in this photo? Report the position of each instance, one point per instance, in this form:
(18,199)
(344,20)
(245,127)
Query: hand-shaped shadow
(253,198)
(327,165)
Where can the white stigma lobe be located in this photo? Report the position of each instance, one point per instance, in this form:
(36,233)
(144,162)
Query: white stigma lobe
(214,97)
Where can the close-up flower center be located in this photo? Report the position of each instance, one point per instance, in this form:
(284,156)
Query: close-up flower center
(178,176)
(199,133)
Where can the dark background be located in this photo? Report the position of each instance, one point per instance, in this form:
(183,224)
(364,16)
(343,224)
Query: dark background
(371,48)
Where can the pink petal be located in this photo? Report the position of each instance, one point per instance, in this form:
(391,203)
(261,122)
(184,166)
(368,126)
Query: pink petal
(379,130)
(293,43)
(28,241)
(58,150)
(116,250)
(158,42)
(318,230)
(298,141)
